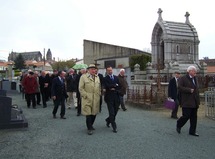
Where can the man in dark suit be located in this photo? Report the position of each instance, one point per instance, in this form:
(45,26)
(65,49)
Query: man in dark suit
(173,93)
(71,88)
(81,72)
(189,100)
(43,81)
(112,87)
(101,78)
(59,94)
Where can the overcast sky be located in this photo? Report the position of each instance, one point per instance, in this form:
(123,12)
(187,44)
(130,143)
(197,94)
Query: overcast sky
(61,25)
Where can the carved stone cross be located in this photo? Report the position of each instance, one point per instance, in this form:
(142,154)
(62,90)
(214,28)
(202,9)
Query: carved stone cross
(187,18)
(159,13)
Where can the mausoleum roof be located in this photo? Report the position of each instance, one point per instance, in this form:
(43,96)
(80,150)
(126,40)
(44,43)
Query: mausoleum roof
(175,30)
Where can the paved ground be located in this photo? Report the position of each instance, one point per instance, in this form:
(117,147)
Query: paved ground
(141,134)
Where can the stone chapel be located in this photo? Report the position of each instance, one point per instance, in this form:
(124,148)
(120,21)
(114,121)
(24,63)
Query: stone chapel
(175,46)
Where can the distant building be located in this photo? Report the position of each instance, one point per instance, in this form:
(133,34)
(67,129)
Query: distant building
(210,65)
(107,54)
(33,55)
(104,55)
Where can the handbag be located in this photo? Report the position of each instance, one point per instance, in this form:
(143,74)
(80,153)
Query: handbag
(169,103)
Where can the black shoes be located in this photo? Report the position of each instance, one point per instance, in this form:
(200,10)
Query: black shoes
(174,117)
(194,134)
(124,109)
(115,130)
(78,114)
(90,132)
(178,130)
(107,123)
(63,117)
(54,116)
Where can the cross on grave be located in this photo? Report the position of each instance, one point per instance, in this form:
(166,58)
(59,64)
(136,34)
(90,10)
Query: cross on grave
(187,17)
(159,13)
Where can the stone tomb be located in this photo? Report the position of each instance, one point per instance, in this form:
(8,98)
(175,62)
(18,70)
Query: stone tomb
(3,92)
(11,116)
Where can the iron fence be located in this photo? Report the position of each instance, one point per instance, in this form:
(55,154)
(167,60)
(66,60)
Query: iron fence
(210,103)
(146,96)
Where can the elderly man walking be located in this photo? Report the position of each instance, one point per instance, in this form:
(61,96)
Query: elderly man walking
(189,100)
(90,90)
(71,87)
(123,88)
(30,85)
(59,94)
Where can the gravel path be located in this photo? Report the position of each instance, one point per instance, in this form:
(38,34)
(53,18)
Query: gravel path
(142,134)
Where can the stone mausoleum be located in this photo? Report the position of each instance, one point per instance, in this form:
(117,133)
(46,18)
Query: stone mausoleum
(175,46)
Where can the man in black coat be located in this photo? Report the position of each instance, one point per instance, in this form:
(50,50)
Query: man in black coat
(71,88)
(43,81)
(174,94)
(112,87)
(59,94)
(81,72)
(101,78)
(189,100)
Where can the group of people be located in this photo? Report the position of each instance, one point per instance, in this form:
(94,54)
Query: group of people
(34,86)
(84,91)
(92,85)
(185,92)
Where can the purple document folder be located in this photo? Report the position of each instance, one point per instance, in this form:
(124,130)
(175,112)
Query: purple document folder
(169,104)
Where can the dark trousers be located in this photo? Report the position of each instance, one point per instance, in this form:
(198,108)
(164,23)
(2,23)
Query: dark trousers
(113,103)
(43,98)
(58,102)
(38,97)
(90,119)
(188,113)
(100,107)
(47,95)
(122,102)
(175,111)
(79,105)
(31,98)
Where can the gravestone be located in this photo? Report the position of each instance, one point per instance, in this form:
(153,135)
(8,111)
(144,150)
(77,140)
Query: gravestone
(5,110)
(6,85)
(11,116)
(3,92)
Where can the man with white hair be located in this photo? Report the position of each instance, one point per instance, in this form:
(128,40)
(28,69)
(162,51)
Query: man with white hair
(189,100)
(123,88)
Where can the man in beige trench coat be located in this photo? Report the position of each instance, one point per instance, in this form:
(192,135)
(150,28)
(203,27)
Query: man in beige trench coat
(90,90)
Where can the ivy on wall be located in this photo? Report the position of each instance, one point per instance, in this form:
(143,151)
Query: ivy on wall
(140,59)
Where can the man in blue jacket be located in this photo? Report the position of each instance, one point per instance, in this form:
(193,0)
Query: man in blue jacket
(174,94)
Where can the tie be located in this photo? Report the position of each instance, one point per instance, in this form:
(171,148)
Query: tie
(112,78)
(61,80)
(176,80)
(193,81)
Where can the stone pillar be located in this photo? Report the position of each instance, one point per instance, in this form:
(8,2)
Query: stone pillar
(10,74)
(136,71)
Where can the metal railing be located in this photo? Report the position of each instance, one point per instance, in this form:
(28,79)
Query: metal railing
(145,96)
(210,103)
